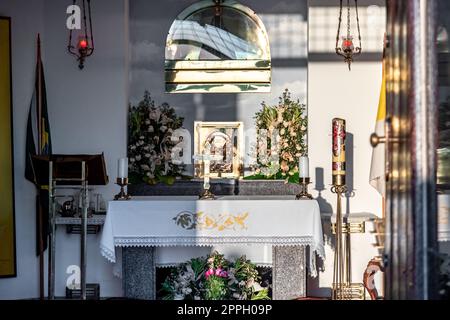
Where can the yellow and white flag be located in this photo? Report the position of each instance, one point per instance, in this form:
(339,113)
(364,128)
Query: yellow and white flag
(377,168)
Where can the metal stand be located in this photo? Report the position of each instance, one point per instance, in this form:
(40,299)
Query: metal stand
(207,195)
(53,186)
(52,233)
(343,288)
(304,195)
(122,195)
(338,272)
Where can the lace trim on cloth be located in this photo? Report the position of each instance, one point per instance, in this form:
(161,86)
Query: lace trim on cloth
(110,255)
(444,236)
(315,248)
(208,241)
(173,265)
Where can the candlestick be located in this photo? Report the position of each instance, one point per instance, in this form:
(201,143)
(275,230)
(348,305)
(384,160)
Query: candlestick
(304,195)
(338,166)
(206,158)
(304,167)
(122,195)
(122,168)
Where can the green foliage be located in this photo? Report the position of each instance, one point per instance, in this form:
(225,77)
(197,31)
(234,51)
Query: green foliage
(216,288)
(214,278)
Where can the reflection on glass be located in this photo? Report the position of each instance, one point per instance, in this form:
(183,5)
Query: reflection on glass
(236,37)
(217,48)
(323,25)
(284,43)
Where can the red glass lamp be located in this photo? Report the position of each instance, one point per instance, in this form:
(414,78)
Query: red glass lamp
(85,43)
(347,47)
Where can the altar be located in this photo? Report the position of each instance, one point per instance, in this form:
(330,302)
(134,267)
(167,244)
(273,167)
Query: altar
(290,227)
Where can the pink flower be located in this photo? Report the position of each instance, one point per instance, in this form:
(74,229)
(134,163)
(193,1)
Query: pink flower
(209,273)
(221,273)
(218,271)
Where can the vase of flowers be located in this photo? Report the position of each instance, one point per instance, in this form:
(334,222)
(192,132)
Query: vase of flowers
(150,145)
(215,278)
(281,142)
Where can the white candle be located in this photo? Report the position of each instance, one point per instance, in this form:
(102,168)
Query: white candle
(304,167)
(122,169)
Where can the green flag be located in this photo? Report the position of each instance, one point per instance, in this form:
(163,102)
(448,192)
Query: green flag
(38,142)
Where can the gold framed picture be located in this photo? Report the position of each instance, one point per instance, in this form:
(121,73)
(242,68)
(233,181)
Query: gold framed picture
(7,223)
(224,139)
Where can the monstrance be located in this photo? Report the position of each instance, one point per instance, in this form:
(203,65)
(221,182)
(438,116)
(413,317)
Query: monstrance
(206,158)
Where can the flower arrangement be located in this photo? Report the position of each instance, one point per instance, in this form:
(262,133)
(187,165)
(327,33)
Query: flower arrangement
(150,144)
(281,129)
(215,278)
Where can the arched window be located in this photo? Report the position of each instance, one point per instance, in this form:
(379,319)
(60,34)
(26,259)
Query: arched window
(217,46)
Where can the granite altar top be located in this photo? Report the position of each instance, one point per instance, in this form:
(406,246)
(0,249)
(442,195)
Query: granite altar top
(218,198)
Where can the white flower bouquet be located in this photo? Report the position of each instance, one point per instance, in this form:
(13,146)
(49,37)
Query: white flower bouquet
(150,145)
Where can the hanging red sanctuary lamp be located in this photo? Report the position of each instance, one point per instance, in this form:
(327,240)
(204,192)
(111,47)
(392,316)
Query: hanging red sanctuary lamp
(347,47)
(84,46)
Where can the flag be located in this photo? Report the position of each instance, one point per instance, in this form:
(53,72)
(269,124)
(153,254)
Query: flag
(377,168)
(38,142)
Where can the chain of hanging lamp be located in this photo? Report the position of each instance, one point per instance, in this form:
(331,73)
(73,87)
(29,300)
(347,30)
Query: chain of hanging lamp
(218,13)
(84,46)
(347,49)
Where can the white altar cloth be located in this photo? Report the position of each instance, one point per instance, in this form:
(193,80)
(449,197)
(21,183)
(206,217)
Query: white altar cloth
(444,218)
(229,220)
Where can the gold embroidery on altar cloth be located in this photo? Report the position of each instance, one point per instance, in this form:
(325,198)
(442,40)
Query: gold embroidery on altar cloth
(201,221)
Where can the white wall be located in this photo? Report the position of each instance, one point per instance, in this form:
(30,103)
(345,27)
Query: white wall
(87,111)
(333,91)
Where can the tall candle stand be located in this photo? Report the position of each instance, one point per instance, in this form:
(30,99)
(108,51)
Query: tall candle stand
(122,195)
(343,288)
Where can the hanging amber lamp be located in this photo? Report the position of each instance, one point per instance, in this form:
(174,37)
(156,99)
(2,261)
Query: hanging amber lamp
(346,48)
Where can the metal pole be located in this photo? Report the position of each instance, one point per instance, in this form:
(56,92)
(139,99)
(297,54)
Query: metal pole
(41,246)
(423,108)
(52,234)
(83,251)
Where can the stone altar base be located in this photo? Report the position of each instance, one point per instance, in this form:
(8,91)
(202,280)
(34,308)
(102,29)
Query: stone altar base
(288,273)
(139,273)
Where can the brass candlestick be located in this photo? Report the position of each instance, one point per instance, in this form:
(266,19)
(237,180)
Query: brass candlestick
(206,157)
(122,195)
(304,195)
(207,195)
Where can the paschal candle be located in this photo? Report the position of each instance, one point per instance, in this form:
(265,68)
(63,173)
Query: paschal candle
(338,166)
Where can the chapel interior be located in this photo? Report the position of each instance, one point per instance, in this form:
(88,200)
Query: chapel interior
(225,150)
